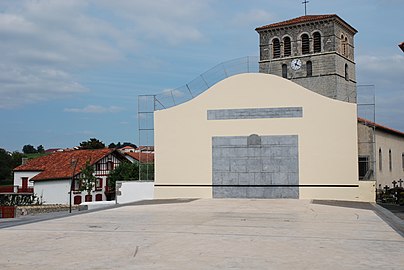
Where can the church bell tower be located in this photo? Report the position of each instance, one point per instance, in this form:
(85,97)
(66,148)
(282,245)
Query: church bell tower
(315,51)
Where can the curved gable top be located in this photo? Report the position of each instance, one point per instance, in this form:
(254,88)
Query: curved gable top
(257,90)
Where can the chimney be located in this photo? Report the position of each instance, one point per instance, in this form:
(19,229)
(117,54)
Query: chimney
(24,160)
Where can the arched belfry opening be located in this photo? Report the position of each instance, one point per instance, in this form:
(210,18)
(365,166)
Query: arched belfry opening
(318,44)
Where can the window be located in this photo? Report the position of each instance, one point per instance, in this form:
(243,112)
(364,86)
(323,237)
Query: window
(317,42)
(24,183)
(77,199)
(390,165)
(344,45)
(98,197)
(76,185)
(98,167)
(305,44)
(344,49)
(402,160)
(276,48)
(110,165)
(363,167)
(287,47)
(346,72)
(380,159)
(98,184)
(284,71)
(309,69)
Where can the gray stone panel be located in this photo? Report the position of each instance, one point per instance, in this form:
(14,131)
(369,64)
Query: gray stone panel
(256,192)
(230,192)
(255,166)
(257,113)
(246,178)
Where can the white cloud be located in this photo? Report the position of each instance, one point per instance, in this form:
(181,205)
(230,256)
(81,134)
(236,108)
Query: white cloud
(43,42)
(386,74)
(94,109)
(386,67)
(24,85)
(254,17)
(172,21)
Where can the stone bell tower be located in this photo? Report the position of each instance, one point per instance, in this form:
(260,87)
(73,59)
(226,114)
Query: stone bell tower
(315,51)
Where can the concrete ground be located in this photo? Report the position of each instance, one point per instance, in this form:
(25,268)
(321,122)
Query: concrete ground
(208,234)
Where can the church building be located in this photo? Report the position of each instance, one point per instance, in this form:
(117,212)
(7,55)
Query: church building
(314,51)
(289,131)
(263,136)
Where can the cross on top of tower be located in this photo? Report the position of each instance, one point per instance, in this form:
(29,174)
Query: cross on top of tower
(305,2)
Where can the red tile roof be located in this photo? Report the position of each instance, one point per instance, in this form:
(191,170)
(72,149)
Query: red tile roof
(305,19)
(378,126)
(144,157)
(60,165)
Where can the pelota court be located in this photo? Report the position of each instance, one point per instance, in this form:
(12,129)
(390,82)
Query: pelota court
(208,234)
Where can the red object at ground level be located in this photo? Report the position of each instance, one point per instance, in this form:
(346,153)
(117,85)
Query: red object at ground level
(7,211)
(6,189)
(25,190)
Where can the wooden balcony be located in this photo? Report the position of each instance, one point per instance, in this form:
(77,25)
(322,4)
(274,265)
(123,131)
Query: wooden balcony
(16,189)
(7,189)
(25,190)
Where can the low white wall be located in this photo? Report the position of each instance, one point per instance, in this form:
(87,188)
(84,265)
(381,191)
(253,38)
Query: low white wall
(95,205)
(53,192)
(132,191)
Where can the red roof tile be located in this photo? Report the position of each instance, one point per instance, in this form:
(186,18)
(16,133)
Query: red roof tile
(60,165)
(378,126)
(144,157)
(304,19)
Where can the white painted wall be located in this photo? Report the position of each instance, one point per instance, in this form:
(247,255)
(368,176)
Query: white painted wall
(132,191)
(19,175)
(328,148)
(395,143)
(53,192)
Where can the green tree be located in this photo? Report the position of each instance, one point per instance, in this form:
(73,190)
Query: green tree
(16,158)
(29,149)
(126,171)
(93,143)
(87,178)
(5,164)
(40,149)
(112,145)
(147,171)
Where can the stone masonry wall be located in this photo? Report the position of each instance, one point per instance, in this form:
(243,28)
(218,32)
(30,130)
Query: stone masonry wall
(328,66)
(255,167)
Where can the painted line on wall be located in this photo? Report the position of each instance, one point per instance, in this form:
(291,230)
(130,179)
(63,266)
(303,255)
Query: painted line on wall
(185,185)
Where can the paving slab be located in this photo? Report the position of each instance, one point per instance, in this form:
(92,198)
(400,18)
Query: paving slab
(208,234)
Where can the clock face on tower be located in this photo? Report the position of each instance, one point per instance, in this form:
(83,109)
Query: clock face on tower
(296,64)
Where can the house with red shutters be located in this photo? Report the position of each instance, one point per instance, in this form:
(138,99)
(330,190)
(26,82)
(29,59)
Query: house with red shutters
(53,177)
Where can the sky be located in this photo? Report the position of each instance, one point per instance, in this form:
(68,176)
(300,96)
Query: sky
(73,70)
